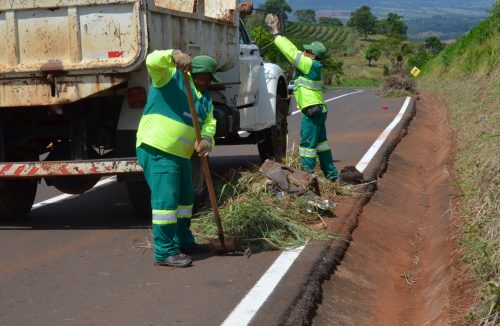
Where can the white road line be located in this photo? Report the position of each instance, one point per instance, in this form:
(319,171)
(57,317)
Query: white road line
(246,309)
(366,159)
(333,98)
(255,298)
(66,196)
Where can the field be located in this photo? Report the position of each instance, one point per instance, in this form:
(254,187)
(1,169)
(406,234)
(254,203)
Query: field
(344,44)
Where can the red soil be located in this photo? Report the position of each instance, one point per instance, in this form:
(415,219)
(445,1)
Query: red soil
(400,268)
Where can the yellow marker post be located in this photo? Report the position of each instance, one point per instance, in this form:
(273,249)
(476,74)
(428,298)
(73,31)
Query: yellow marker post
(415,71)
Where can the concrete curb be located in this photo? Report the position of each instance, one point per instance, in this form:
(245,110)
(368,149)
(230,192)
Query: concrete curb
(302,285)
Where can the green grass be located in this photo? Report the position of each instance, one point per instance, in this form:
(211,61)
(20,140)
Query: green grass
(467,76)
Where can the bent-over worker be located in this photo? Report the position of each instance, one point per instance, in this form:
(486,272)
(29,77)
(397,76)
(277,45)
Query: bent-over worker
(165,143)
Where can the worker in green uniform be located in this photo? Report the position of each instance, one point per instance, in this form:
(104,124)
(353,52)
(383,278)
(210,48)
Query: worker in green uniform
(165,143)
(308,93)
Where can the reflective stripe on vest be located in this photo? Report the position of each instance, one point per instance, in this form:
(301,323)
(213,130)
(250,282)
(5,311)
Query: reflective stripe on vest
(310,84)
(297,59)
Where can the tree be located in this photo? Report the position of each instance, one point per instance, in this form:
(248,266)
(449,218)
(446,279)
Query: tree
(419,59)
(330,21)
(264,38)
(275,6)
(396,26)
(395,50)
(363,20)
(433,45)
(332,69)
(269,6)
(306,15)
(372,53)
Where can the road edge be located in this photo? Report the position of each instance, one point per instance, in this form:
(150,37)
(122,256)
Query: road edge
(303,283)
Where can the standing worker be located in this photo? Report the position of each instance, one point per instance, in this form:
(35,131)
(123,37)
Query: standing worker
(165,143)
(309,97)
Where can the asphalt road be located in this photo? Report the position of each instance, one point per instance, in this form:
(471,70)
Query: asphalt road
(84,261)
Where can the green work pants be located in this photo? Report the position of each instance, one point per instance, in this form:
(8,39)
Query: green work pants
(313,144)
(170,179)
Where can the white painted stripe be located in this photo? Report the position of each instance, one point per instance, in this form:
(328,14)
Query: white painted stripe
(246,309)
(366,159)
(66,196)
(343,96)
(333,98)
(251,303)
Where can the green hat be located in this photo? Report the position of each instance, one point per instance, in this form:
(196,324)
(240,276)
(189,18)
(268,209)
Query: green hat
(204,63)
(317,48)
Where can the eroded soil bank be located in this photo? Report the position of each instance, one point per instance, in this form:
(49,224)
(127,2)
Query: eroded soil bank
(400,268)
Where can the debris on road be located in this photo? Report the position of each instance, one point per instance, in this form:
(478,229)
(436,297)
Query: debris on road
(274,207)
(398,85)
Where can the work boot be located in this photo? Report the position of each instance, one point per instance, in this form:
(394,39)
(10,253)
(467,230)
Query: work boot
(197,249)
(179,260)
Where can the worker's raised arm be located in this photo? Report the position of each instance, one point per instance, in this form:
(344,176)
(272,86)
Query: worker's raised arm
(292,54)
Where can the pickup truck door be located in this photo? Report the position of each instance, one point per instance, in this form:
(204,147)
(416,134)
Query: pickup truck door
(251,65)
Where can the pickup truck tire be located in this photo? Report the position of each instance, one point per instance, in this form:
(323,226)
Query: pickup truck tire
(16,198)
(274,145)
(140,195)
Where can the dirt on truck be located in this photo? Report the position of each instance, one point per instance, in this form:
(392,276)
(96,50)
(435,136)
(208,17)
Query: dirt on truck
(73,85)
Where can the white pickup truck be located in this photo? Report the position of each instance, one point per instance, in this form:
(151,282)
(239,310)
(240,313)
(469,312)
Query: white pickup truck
(73,85)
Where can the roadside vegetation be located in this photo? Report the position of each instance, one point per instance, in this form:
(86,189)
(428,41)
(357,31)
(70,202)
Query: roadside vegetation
(467,76)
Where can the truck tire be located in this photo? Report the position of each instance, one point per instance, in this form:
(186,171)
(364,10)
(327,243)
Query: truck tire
(16,198)
(274,145)
(140,195)
(73,184)
(140,198)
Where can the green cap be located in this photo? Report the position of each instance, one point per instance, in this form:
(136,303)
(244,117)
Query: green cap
(317,48)
(204,63)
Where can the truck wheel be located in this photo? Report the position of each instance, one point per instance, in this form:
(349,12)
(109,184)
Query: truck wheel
(73,184)
(140,195)
(16,198)
(140,198)
(274,145)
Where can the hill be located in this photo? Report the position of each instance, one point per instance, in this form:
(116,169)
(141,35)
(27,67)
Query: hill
(446,19)
(467,76)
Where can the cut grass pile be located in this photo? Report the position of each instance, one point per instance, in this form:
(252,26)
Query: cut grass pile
(263,219)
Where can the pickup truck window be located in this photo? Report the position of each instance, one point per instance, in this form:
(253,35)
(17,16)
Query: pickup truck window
(244,38)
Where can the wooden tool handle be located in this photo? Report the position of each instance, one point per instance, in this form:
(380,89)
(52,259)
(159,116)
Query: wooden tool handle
(204,161)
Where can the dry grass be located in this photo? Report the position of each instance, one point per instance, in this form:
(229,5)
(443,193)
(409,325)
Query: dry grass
(474,107)
(265,220)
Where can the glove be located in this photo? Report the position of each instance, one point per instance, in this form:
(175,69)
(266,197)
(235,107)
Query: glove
(182,61)
(272,23)
(204,146)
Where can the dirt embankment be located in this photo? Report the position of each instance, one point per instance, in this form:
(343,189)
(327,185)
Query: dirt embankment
(400,267)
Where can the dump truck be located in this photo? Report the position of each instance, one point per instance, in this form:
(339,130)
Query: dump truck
(73,85)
